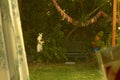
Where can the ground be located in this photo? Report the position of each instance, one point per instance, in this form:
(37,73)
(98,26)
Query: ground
(79,71)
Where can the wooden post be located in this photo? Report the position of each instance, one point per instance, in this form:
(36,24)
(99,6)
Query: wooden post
(114,23)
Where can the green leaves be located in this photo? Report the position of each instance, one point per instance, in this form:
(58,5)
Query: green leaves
(53,49)
(42,16)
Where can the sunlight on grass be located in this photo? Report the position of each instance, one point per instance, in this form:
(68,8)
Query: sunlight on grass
(64,72)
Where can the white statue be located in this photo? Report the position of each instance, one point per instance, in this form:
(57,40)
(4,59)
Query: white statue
(40,42)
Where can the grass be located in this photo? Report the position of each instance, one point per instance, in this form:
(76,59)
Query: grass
(64,72)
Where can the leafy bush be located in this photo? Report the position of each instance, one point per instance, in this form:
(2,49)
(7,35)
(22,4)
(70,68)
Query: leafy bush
(42,16)
(53,49)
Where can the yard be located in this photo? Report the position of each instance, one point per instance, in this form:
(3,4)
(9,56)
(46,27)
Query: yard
(77,71)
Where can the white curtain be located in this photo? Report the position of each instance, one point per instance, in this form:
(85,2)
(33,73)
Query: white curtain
(13,63)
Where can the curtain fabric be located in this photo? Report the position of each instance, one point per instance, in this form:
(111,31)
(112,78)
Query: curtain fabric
(13,63)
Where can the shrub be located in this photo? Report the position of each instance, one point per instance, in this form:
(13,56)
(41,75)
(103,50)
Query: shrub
(53,49)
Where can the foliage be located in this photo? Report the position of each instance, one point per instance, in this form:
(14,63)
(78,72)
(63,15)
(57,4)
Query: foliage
(118,38)
(42,16)
(109,40)
(54,50)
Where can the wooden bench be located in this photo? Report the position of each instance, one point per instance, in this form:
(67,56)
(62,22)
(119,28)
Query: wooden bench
(77,56)
(74,50)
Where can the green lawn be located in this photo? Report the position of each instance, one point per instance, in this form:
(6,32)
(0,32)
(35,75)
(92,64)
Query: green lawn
(64,72)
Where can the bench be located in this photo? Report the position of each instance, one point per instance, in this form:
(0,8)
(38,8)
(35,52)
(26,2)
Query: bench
(77,56)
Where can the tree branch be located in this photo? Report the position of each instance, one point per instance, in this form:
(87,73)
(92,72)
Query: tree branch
(80,23)
(64,15)
(76,22)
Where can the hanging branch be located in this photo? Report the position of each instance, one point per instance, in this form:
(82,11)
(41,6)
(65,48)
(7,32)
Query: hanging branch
(97,8)
(95,18)
(70,32)
(64,15)
(75,22)
(82,24)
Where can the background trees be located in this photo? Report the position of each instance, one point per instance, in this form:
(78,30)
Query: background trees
(42,16)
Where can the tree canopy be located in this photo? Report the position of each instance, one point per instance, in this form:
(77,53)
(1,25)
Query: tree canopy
(78,20)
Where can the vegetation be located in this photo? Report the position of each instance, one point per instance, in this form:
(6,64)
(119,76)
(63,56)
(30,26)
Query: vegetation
(54,49)
(64,72)
(65,20)
(42,16)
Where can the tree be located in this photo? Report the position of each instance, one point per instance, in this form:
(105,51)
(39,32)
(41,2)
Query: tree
(89,21)
(85,21)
